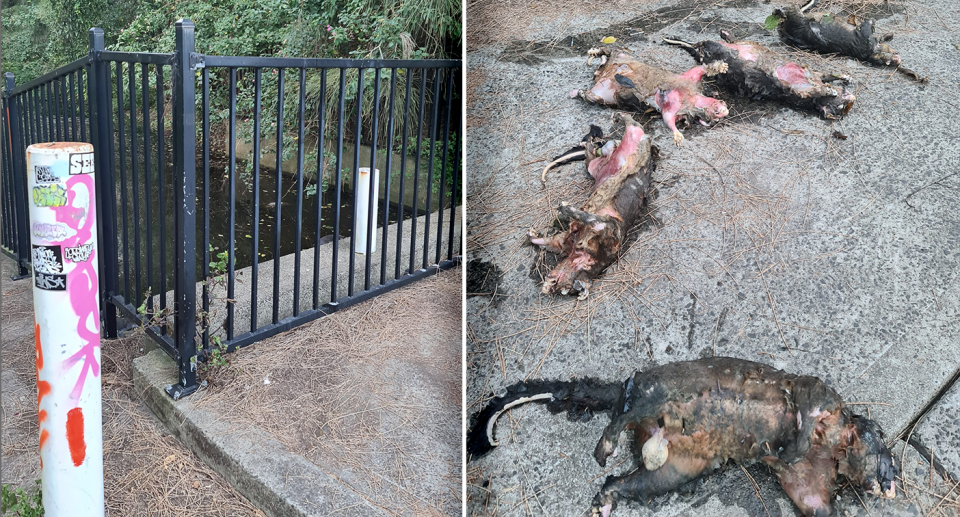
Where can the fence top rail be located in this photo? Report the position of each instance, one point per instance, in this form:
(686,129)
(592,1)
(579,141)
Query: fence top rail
(138,57)
(297,62)
(50,76)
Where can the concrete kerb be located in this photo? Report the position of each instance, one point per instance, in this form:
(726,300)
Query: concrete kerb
(279,483)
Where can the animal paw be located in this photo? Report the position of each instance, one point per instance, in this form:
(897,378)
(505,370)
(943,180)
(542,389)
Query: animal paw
(677,138)
(593,53)
(717,67)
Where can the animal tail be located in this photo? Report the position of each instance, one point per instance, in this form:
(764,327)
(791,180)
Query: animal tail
(577,398)
(679,42)
(574,154)
(684,45)
(809,5)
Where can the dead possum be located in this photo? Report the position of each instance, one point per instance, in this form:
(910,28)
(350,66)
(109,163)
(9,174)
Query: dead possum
(594,235)
(624,82)
(830,34)
(690,418)
(757,72)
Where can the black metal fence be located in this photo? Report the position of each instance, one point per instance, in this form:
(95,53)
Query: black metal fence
(181,206)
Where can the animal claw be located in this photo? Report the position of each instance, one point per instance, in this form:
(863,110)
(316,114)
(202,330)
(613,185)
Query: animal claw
(677,138)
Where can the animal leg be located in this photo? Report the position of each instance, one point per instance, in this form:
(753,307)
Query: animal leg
(830,78)
(594,53)
(809,483)
(553,243)
(569,213)
(697,73)
(643,484)
(669,104)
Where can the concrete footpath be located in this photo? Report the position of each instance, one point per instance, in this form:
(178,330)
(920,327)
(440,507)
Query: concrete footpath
(821,248)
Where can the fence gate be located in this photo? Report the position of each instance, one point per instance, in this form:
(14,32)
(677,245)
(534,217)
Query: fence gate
(191,213)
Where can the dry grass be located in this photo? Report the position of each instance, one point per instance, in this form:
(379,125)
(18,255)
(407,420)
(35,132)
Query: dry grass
(503,21)
(375,387)
(147,472)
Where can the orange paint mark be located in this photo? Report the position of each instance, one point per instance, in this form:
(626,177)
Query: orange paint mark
(43,437)
(43,415)
(43,389)
(78,447)
(36,340)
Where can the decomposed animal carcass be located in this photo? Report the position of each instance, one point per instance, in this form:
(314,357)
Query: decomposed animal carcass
(830,34)
(690,418)
(755,71)
(592,237)
(626,83)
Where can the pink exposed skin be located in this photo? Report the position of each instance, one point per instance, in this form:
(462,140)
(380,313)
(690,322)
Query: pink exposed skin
(794,76)
(603,168)
(676,96)
(82,280)
(747,52)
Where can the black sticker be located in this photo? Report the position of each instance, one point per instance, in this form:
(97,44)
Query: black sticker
(47,259)
(50,282)
(44,174)
(81,163)
(48,268)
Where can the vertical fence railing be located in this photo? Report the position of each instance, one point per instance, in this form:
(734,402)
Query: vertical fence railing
(14,201)
(272,167)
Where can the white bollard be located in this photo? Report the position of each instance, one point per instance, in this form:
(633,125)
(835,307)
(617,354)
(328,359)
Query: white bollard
(66,305)
(363,202)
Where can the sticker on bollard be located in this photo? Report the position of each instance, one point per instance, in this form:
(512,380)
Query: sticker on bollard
(66,305)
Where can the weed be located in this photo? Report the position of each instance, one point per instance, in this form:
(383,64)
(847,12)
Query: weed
(20,503)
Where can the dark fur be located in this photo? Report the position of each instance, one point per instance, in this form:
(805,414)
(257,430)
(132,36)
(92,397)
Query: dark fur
(829,34)
(595,135)
(717,410)
(758,80)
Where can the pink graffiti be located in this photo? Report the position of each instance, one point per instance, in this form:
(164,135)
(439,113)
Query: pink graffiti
(82,280)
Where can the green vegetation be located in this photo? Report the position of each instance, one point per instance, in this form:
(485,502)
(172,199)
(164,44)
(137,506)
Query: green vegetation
(20,503)
(40,35)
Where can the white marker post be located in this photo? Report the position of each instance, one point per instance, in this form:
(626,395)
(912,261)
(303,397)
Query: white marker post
(363,203)
(66,303)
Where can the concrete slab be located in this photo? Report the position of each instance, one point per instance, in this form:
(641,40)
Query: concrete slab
(769,239)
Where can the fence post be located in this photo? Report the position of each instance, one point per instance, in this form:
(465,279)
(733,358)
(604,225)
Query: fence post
(22,222)
(185,212)
(106,184)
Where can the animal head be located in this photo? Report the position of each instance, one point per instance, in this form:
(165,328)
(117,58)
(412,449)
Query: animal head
(711,110)
(868,461)
(834,108)
(885,55)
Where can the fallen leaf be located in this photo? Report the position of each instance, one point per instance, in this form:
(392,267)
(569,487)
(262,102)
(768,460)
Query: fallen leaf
(608,40)
(771,22)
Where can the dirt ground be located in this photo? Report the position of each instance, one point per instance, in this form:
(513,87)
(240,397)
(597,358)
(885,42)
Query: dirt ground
(375,388)
(147,472)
